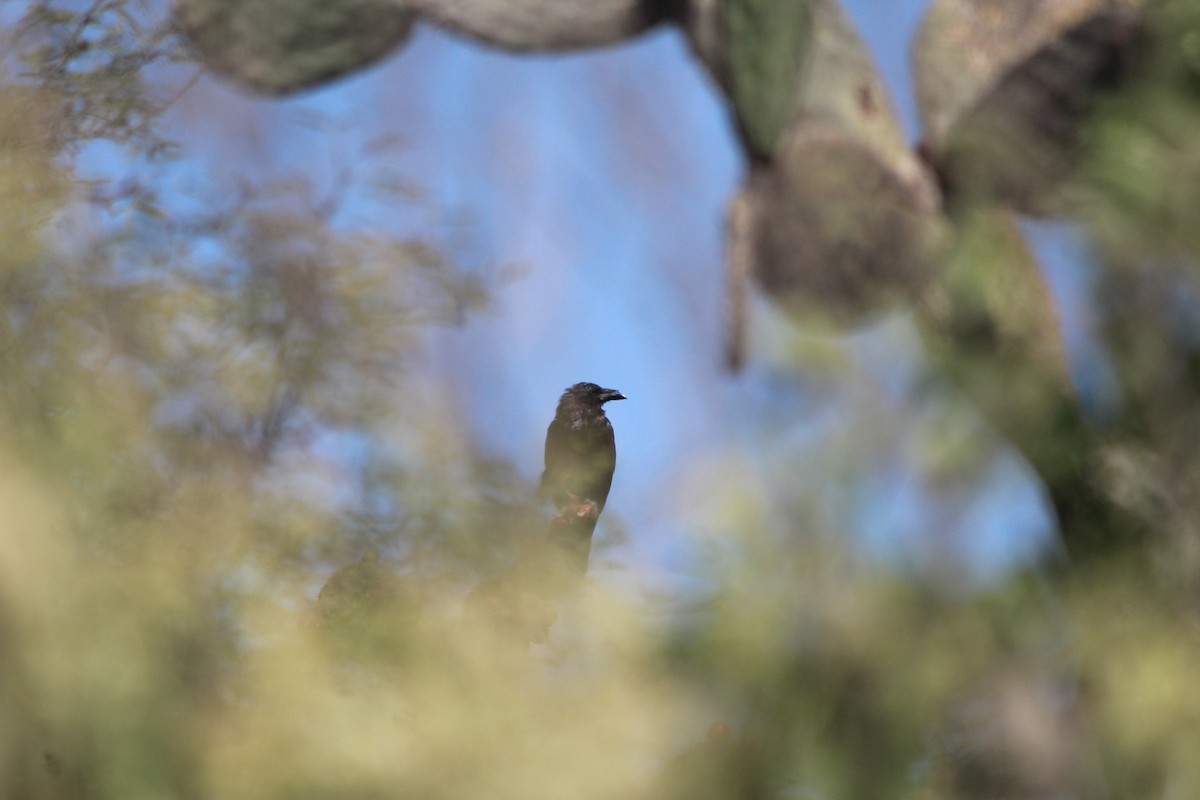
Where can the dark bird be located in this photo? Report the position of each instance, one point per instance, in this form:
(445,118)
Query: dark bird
(581,453)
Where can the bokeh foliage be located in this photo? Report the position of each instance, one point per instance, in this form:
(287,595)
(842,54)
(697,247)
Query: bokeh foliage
(173,369)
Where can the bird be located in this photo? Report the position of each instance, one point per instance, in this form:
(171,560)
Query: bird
(581,453)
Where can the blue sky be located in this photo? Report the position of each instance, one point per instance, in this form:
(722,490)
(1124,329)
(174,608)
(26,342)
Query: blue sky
(602,178)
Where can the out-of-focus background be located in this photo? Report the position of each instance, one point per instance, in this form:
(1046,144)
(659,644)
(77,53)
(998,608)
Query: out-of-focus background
(276,373)
(589,189)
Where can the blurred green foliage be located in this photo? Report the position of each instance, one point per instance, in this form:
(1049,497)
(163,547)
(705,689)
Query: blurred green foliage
(163,381)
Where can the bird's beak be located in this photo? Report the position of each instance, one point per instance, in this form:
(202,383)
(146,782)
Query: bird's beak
(611,394)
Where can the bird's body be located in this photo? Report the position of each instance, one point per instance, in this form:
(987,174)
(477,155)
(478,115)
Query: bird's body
(581,452)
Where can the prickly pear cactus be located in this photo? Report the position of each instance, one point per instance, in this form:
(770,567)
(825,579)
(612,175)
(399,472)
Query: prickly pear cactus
(765,43)
(281,46)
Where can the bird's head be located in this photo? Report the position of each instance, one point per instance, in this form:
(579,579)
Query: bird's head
(592,394)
